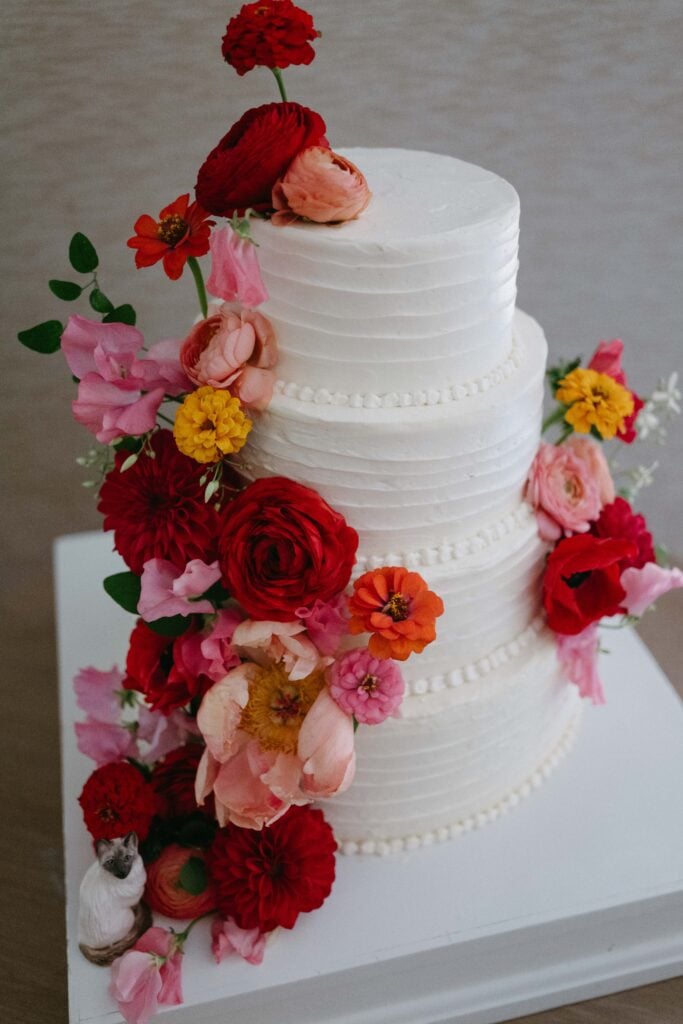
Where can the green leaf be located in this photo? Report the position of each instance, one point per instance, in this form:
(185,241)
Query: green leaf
(193,877)
(173,625)
(555,374)
(82,255)
(99,302)
(45,337)
(124,588)
(197,831)
(124,314)
(66,290)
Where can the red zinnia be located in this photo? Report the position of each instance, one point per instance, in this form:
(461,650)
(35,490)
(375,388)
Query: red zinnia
(117,799)
(155,666)
(182,231)
(271,34)
(582,581)
(267,878)
(618,521)
(242,169)
(157,509)
(173,781)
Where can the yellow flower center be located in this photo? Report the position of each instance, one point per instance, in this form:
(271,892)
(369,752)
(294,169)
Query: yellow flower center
(396,607)
(277,706)
(172,229)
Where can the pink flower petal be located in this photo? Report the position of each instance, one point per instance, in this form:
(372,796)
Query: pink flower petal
(83,337)
(578,656)
(326,748)
(235,275)
(254,387)
(644,586)
(166,590)
(227,937)
(196,579)
(104,741)
(220,712)
(97,693)
(135,986)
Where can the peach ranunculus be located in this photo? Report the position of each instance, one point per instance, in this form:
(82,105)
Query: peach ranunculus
(234,350)
(271,742)
(321,186)
(591,453)
(562,491)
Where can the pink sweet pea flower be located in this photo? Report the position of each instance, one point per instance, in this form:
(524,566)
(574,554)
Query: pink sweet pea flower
(644,586)
(265,642)
(163,733)
(227,937)
(561,490)
(105,741)
(326,623)
(164,368)
(148,975)
(217,652)
(166,590)
(235,275)
(578,656)
(102,736)
(97,693)
(112,410)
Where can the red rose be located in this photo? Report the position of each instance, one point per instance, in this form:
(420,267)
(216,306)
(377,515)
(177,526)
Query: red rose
(283,548)
(618,521)
(165,891)
(156,667)
(271,34)
(241,171)
(267,878)
(117,799)
(582,581)
(157,509)
(173,782)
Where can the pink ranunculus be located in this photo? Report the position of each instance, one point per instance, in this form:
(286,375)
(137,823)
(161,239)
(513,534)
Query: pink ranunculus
(234,350)
(607,359)
(227,937)
(105,741)
(148,975)
(162,733)
(590,452)
(643,586)
(369,688)
(167,590)
(235,274)
(326,623)
(218,654)
(578,656)
(562,491)
(321,186)
(265,642)
(97,693)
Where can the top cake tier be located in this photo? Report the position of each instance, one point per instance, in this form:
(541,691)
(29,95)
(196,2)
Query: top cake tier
(416,294)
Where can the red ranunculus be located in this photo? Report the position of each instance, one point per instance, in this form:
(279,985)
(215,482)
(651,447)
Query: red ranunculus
(618,521)
(165,891)
(182,231)
(157,509)
(581,582)
(173,781)
(241,171)
(117,799)
(265,878)
(271,34)
(155,666)
(283,547)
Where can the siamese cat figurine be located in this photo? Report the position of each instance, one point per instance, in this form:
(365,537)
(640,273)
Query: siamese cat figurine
(111,915)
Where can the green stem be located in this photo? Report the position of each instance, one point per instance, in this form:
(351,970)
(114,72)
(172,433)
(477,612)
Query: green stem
(280,83)
(165,419)
(199,282)
(182,936)
(554,417)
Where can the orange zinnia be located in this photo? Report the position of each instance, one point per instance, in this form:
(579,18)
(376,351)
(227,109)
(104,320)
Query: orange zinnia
(397,608)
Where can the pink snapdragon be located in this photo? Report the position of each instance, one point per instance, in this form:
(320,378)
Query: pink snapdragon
(578,657)
(235,274)
(643,586)
(148,975)
(227,937)
(369,688)
(167,590)
(562,491)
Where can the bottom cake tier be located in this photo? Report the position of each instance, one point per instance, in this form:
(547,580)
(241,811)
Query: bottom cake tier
(458,758)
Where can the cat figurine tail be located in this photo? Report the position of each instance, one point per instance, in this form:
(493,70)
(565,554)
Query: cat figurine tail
(112,915)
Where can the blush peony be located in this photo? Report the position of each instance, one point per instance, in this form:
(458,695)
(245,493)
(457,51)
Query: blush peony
(321,186)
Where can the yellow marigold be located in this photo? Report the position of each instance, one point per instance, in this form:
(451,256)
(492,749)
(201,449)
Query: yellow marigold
(210,424)
(594,400)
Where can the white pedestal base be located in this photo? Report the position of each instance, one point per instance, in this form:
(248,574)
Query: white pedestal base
(575,893)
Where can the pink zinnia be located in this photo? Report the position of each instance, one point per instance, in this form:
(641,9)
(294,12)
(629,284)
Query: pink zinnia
(366,687)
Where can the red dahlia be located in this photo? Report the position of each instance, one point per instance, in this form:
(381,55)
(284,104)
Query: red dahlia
(157,667)
(173,781)
(182,231)
(271,34)
(619,521)
(267,878)
(241,171)
(117,799)
(157,509)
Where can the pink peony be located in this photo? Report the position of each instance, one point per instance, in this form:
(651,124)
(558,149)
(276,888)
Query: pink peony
(321,186)
(235,273)
(166,590)
(643,586)
(369,688)
(227,937)
(562,491)
(326,623)
(590,452)
(148,975)
(265,642)
(578,656)
(234,350)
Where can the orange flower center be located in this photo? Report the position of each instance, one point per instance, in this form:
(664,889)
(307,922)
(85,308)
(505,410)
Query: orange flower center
(277,707)
(397,607)
(172,229)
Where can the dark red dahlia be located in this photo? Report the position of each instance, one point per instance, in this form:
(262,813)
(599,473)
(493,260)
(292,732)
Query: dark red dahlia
(619,521)
(271,34)
(117,799)
(157,509)
(173,781)
(265,879)
(157,667)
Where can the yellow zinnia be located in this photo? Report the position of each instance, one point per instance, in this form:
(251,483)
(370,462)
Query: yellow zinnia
(210,424)
(594,400)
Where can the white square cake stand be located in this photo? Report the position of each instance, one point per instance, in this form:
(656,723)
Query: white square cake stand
(575,893)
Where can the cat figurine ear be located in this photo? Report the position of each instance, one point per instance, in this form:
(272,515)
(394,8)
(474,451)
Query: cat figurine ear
(112,915)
